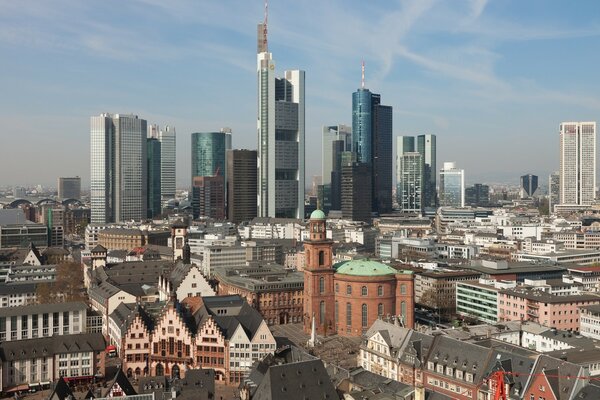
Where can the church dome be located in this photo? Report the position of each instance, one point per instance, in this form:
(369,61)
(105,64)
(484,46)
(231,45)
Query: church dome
(317,214)
(364,267)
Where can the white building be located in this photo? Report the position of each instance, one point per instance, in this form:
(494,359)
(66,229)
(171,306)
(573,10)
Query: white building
(167,140)
(589,321)
(186,281)
(118,168)
(280,128)
(577,162)
(452,186)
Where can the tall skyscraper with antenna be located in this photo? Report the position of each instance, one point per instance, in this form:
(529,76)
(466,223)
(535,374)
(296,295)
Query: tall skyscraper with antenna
(372,142)
(280,131)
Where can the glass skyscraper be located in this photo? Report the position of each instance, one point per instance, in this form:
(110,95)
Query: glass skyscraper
(410,182)
(426,145)
(154,177)
(208,153)
(452,186)
(372,144)
(118,168)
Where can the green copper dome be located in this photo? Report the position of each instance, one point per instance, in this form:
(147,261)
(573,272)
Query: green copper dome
(365,268)
(317,214)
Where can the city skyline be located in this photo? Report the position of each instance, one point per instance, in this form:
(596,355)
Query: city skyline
(483,74)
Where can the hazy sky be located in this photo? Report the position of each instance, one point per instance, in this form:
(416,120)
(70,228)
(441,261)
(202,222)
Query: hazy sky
(492,79)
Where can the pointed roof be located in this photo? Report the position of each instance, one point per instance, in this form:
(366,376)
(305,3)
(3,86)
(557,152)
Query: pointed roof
(99,249)
(122,382)
(61,391)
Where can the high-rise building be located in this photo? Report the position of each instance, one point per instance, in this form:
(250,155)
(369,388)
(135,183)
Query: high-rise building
(118,168)
(529,184)
(577,162)
(477,195)
(409,190)
(280,128)
(154,177)
(69,188)
(166,137)
(331,134)
(372,143)
(241,185)
(356,201)
(208,197)
(208,160)
(426,145)
(553,191)
(452,186)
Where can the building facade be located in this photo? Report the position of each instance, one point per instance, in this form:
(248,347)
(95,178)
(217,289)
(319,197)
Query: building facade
(118,168)
(577,163)
(208,197)
(356,200)
(69,188)
(529,185)
(427,146)
(241,185)
(154,177)
(280,129)
(409,189)
(452,186)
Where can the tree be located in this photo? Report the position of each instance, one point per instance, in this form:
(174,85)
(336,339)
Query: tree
(440,300)
(67,286)
(44,292)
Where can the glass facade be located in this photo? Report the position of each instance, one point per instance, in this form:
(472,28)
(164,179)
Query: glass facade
(451,186)
(154,177)
(362,125)
(426,145)
(409,188)
(208,153)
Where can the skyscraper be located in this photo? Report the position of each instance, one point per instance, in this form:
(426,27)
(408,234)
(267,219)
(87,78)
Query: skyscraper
(69,188)
(208,160)
(529,184)
(577,162)
(452,186)
(168,164)
(410,182)
(426,145)
(280,129)
(241,185)
(118,168)
(553,191)
(154,177)
(331,136)
(372,143)
(356,201)
(477,195)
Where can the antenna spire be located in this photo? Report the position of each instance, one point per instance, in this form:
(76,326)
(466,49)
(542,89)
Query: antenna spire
(266,45)
(362,79)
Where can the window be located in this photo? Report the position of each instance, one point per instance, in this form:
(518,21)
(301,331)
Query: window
(321,285)
(348,314)
(403,308)
(337,287)
(322,312)
(379,290)
(403,289)
(336,312)
(363,291)
(364,316)
(348,289)
(321,258)
(379,309)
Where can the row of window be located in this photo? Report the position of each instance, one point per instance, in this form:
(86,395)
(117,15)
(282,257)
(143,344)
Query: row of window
(363,290)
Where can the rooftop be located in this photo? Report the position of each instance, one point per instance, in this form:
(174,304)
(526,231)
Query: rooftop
(366,267)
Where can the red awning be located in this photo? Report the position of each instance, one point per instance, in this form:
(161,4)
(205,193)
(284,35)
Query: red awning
(19,388)
(111,348)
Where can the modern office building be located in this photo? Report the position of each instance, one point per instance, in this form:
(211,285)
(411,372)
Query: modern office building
(280,129)
(168,168)
(409,190)
(452,186)
(529,185)
(208,154)
(241,185)
(356,199)
(69,188)
(336,139)
(372,143)
(553,191)
(154,176)
(577,162)
(118,168)
(208,197)
(426,145)
(477,195)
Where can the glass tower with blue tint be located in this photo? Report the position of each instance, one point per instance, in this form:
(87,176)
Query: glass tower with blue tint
(208,153)
(362,125)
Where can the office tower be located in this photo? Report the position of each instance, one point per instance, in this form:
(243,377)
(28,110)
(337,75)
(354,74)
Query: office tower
(118,168)
(241,185)
(69,188)
(372,143)
(452,186)
(409,190)
(208,197)
(168,168)
(154,177)
(331,134)
(356,201)
(338,153)
(529,184)
(280,129)
(553,191)
(477,195)
(577,162)
(208,160)
(426,145)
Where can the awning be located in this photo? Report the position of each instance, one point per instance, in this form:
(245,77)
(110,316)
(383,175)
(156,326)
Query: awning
(77,378)
(45,383)
(19,388)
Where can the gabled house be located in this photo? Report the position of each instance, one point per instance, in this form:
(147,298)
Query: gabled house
(185,280)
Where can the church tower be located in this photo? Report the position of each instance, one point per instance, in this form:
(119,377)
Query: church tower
(318,277)
(179,240)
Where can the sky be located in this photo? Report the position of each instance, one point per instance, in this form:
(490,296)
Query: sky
(492,79)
